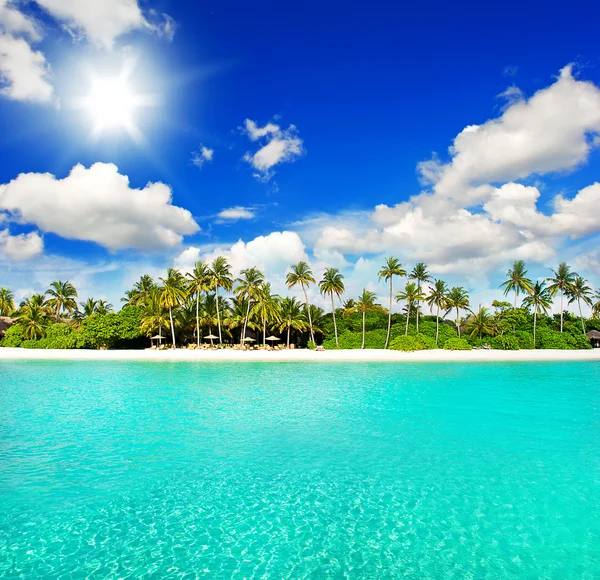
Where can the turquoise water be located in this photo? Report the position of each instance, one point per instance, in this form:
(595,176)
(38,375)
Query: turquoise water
(114,470)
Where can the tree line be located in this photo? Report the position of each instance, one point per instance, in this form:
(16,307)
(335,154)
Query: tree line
(210,298)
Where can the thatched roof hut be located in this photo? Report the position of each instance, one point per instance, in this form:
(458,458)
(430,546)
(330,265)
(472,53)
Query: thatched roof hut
(5,323)
(594,337)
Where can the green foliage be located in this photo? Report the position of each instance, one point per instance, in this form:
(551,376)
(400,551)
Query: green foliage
(311,345)
(13,337)
(524,339)
(412,343)
(457,344)
(505,342)
(547,338)
(113,330)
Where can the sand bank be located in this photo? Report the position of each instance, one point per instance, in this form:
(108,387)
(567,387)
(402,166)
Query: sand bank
(301,355)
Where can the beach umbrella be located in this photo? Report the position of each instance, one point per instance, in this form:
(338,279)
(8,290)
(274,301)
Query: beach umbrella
(273,338)
(248,339)
(211,337)
(157,337)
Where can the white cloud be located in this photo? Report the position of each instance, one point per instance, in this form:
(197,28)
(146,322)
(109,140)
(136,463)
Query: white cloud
(202,156)
(98,205)
(24,72)
(14,22)
(101,22)
(272,253)
(281,146)
(22,246)
(466,221)
(237,213)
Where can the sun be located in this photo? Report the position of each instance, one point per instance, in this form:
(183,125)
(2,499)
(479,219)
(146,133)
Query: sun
(112,104)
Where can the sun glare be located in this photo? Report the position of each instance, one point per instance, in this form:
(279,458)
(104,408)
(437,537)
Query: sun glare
(112,104)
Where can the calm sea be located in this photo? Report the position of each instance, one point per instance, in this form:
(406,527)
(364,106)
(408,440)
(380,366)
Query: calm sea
(116,470)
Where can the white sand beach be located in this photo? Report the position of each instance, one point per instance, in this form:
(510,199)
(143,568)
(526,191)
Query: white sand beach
(301,355)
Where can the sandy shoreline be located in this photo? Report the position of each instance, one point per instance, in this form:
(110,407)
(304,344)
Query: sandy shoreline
(229,355)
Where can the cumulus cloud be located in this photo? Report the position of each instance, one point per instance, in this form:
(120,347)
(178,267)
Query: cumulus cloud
(272,253)
(24,72)
(202,156)
(20,247)
(102,22)
(98,205)
(473,212)
(278,146)
(237,213)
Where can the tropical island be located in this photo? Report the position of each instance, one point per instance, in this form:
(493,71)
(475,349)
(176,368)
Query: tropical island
(209,308)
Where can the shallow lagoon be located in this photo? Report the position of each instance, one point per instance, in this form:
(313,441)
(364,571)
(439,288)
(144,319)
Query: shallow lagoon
(298,470)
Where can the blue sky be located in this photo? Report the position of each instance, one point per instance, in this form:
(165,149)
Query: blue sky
(315,126)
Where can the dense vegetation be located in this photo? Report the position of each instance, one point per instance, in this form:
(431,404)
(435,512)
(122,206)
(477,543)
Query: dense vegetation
(192,308)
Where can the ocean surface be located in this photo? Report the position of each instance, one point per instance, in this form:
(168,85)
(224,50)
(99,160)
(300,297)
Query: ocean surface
(288,470)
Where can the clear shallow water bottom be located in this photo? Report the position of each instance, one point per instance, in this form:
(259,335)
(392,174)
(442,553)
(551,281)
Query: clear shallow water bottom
(115,470)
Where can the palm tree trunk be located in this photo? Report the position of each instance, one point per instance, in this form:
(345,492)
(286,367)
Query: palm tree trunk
(387,338)
(515,306)
(561,310)
(218,314)
(363,328)
(581,315)
(245,323)
(407,319)
(457,325)
(419,289)
(312,335)
(437,325)
(534,326)
(288,336)
(172,326)
(334,321)
(264,331)
(198,318)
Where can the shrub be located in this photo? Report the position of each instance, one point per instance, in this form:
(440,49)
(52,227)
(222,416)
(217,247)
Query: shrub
(311,345)
(457,344)
(505,342)
(524,339)
(410,343)
(13,337)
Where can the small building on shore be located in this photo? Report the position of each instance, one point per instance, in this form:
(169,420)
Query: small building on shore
(594,337)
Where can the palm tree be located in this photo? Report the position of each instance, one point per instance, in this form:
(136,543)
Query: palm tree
(562,281)
(103,307)
(457,298)
(62,298)
(154,316)
(140,294)
(411,295)
(293,316)
(172,294)
(7,302)
(248,290)
(332,284)
(421,275)
(596,306)
(517,280)
(437,298)
(89,308)
(366,303)
(35,300)
(302,274)
(198,282)
(33,318)
(540,300)
(580,291)
(391,268)
(266,308)
(220,277)
(480,323)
